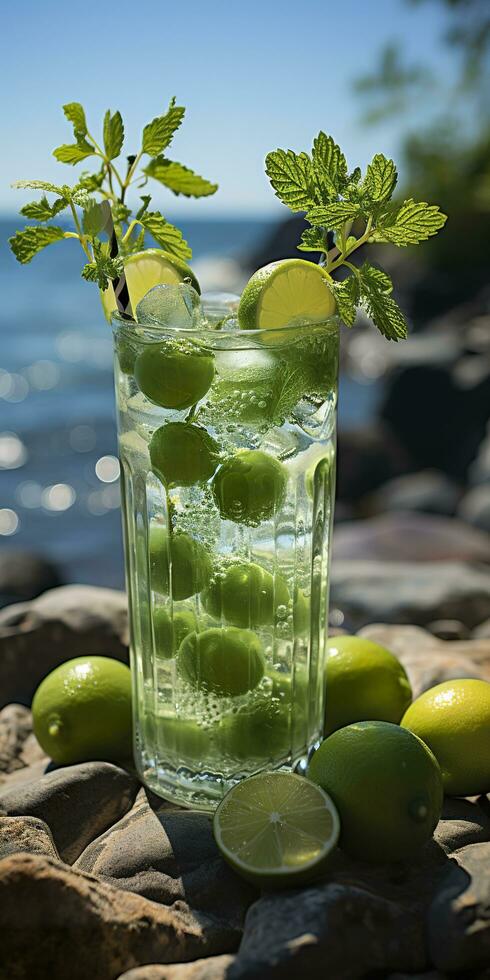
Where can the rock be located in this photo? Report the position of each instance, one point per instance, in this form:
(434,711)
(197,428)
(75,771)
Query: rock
(482,632)
(410,537)
(429,491)
(29,774)
(431,975)
(353,930)
(73,925)
(168,855)
(26,834)
(72,621)
(463,822)
(459,917)
(449,629)
(409,592)
(19,749)
(429,661)
(15,726)
(212,968)
(24,576)
(475,507)
(479,471)
(78,802)
(438,421)
(367,458)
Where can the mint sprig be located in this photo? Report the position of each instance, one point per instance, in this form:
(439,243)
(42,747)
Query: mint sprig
(108,182)
(336,202)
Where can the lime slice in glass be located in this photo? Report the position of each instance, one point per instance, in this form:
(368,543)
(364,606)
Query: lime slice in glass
(276,830)
(286,292)
(146,269)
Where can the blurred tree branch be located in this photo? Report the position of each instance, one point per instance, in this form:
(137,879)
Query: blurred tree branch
(447,158)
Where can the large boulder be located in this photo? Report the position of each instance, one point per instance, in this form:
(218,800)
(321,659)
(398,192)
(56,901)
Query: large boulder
(16,739)
(459,918)
(72,621)
(428,491)
(168,855)
(428,660)
(401,537)
(24,575)
(347,926)
(212,968)
(409,592)
(26,835)
(77,803)
(55,923)
(475,506)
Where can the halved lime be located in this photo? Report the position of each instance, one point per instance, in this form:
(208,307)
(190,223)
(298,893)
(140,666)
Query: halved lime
(291,291)
(276,830)
(146,269)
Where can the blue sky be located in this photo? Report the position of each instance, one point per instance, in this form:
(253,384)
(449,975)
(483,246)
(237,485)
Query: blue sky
(254,75)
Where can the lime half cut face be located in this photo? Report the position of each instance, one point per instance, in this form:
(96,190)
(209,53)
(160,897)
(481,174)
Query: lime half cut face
(283,293)
(276,830)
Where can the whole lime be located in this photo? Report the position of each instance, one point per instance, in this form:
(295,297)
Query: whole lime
(226,662)
(249,487)
(245,594)
(173,376)
(82,711)
(180,560)
(180,739)
(364,682)
(386,785)
(170,630)
(453,718)
(301,613)
(183,453)
(265,730)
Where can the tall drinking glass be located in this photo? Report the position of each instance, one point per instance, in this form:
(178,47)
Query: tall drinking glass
(227,446)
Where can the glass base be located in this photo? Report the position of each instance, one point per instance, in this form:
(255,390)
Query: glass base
(205,790)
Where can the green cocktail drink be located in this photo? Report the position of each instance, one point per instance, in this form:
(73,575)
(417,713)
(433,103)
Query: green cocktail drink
(227,440)
(227,445)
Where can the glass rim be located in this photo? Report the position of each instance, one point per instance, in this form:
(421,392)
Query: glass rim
(263,337)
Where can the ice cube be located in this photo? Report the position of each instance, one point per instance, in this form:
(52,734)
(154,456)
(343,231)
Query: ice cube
(175,305)
(217,307)
(251,360)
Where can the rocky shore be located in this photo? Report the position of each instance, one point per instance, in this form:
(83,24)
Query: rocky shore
(101,879)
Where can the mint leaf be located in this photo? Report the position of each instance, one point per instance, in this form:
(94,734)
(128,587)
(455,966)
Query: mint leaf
(120,212)
(37,185)
(409,223)
(329,163)
(179,179)
(42,210)
(333,216)
(91,182)
(292,178)
(312,240)
(75,152)
(380,180)
(93,218)
(158,134)
(376,288)
(104,267)
(27,243)
(169,237)
(113,134)
(347,295)
(75,114)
